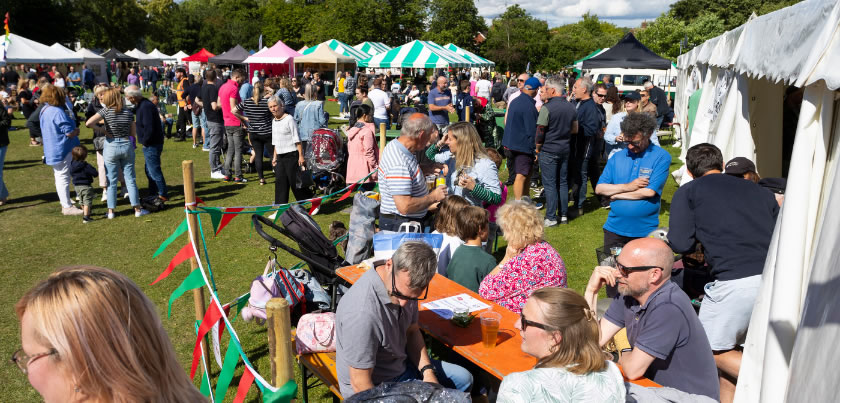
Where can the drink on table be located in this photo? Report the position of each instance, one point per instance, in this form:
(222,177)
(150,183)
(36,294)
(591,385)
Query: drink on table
(431,182)
(490,322)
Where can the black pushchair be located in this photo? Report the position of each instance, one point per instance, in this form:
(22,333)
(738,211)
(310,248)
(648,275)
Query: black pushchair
(326,156)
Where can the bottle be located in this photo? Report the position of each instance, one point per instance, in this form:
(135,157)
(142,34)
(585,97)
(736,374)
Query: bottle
(440,179)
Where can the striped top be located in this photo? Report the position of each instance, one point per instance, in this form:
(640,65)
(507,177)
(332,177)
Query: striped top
(260,118)
(399,174)
(119,125)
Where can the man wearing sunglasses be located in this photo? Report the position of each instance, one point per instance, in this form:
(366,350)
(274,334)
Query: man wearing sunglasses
(668,342)
(378,336)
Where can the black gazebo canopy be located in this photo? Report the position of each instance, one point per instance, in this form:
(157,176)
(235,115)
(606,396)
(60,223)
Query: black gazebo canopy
(235,55)
(114,54)
(628,53)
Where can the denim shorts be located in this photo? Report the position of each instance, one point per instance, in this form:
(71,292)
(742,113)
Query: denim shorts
(199,121)
(726,310)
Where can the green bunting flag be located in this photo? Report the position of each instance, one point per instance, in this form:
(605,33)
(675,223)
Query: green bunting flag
(205,387)
(181,229)
(260,211)
(241,303)
(232,357)
(193,280)
(216,216)
(284,394)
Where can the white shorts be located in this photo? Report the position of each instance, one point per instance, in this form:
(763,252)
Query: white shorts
(726,310)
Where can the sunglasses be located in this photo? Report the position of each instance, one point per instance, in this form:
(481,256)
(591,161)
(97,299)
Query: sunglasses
(520,80)
(625,270)
(527,323)
(397,294)
(635,143)
(601,95)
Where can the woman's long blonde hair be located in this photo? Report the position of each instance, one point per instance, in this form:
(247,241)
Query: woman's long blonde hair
(113,99)
(470,147)
(107,335)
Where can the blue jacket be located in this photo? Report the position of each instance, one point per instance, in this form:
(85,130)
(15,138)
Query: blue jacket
(589,119)
(82,173)
(148,124)
(309,116)
(520,131)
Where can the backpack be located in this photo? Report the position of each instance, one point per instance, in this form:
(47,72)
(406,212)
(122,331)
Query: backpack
(151,203)
(279,283)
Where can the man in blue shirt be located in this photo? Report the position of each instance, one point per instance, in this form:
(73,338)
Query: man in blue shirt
(519,135)
(633,180)
(440,103)
(74,77)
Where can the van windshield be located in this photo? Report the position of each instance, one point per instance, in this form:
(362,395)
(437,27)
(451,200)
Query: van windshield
(635,79)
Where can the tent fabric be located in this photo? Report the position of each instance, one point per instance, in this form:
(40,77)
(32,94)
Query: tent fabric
(200,56)
(339,47)
(114,54)
(322,53)
(416,54)
(577,64)
(372,48)
(95,62)
(160,56)
(23,50)
(628,53)
(88,55)
(475,60)
(277,54)
(235,55)
(143,58)
(179,56)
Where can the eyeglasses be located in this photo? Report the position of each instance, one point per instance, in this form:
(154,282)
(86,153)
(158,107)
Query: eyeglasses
(22,360)
(527,323)
(600,95)
(635,143)
(520,80)
(397,294)
(625,270)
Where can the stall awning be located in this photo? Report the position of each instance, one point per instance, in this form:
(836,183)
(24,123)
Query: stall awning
(372,48)
(416,54)
(341,48)
(628,53)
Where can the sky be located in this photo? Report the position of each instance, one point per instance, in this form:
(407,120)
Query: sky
(623,13)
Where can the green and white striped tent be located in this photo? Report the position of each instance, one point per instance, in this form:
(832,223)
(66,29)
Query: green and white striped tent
(416,54)
(340,48)
(372,48)
(475,60)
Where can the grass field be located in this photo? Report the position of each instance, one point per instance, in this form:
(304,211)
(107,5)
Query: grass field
(36,239)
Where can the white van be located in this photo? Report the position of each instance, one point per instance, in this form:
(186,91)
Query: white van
(628,80)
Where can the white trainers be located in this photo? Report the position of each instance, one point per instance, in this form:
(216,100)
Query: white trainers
(217,175)
(550,223)
(104,195)
(110,216)
(72,210)
(141,212)
(126,195)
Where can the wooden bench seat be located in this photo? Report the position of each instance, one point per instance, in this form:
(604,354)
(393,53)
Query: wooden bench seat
(322,366)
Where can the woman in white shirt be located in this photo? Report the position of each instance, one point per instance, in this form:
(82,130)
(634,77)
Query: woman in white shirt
(558,329)
(287,154)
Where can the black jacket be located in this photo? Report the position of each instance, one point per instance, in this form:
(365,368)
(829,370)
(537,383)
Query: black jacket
(148,123)
(82,173)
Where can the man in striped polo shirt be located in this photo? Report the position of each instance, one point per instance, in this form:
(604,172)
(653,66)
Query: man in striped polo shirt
(404,194)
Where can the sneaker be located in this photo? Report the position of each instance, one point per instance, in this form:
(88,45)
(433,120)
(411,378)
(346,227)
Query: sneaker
(109,216)
(239,180)
(195,145)
(226,178)
(539,205)
(104,196)
(563,220)
(217,175)
(141,212)
(550,223)
(72,210)
(206,149)
(86,219)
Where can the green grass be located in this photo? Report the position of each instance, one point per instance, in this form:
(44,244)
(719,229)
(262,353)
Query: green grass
(37,239)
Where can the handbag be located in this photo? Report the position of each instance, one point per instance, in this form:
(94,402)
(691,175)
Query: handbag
(316,333)
(279,283)
(387,242)
(99,143)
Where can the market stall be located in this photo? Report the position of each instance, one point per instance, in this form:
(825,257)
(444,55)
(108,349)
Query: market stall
(277,60)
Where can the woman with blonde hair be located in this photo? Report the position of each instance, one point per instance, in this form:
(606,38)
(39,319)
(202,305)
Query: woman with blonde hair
(559,329)
(471,174)
(530,262)
(90,334)
(118,150)
(59,135)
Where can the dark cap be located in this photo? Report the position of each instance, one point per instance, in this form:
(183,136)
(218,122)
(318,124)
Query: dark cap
(632,96)
(775,185)
(739,166)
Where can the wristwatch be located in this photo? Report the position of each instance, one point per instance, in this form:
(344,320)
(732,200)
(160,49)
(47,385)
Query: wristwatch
(427,367)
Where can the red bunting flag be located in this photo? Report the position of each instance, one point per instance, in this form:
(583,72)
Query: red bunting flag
(199,200)
(226,308)
(314,205)
(226,218)
(245,383)
(212,316)
(185,253)
(347,194)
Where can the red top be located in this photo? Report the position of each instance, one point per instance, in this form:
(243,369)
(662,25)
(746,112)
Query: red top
(227,91)
(537,266)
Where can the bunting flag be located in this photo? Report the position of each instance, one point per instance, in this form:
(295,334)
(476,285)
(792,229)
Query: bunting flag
(284,394)
(232,357)
(205,385)
(260,211)
(185,253)
(347,194)
(216,216)
(226,218)
(199,200)
(211,317)
(277,214)
(314,206)
(192,281)
(245,383)
(181,229)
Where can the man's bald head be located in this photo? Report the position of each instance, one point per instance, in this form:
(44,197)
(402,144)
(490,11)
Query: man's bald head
(649,252)
(521,79)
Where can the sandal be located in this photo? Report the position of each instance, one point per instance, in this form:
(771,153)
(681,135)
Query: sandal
(263,181)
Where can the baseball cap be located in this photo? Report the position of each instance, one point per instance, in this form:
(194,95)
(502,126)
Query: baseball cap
(775,185)
(532,83)
(739,166)
(632,96)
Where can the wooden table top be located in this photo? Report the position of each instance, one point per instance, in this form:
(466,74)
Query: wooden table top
(500,361)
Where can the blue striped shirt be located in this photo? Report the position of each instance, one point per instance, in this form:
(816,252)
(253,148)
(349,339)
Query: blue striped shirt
(399,174)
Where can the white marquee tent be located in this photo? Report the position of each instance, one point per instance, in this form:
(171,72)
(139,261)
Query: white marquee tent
(95,62)
(792,350)
(22,50)
(180,55)
(161,56)
(143,58)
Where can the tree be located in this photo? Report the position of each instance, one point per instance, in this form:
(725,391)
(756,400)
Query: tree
(105,23)
(515,39)
(285,21)
(665,33)
(27,18)
(574,41)
(357,25)
(454,21)
(731,12)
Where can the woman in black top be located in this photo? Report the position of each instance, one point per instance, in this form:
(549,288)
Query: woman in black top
(259,123)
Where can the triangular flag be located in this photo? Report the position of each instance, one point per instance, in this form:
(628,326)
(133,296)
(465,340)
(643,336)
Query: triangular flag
(185,253)
(199,200)
(284,394)
(232,357)
(260,211)
(211,317)
(245,383)
(205,386)
(181,229)
(280,211)
(216,216)
(226,218)
(221,325)
(347,194)
(193,280)
(242,302)
(314,205)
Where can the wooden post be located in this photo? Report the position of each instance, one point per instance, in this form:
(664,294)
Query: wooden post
(468,114)
(190,203)
(280,343)
(383,137)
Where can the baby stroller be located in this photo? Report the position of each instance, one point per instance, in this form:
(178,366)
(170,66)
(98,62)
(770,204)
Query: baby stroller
(325,158)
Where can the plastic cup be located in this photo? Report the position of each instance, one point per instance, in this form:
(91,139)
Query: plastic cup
(490,322)
(644,173)
(431,182)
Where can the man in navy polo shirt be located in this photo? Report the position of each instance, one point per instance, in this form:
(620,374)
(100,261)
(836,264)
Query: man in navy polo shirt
(519,135)
(633,180)
(668,342)
(440,103)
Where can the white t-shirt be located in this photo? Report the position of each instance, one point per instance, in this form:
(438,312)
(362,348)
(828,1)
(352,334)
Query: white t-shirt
(380,100)
(395,87)
(285,134)
(484,89)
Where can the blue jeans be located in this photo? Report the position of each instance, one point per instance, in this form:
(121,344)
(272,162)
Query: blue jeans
(4,193)
(449,375)
(167,127)
(119,155)
(378,124)
(554,169)
(343,99)
(152,167)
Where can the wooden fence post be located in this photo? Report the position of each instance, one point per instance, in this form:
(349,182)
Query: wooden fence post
(383,137)
(280,343)
(190,204)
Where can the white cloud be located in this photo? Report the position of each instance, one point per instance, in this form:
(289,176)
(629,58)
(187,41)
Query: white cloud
(624,13)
